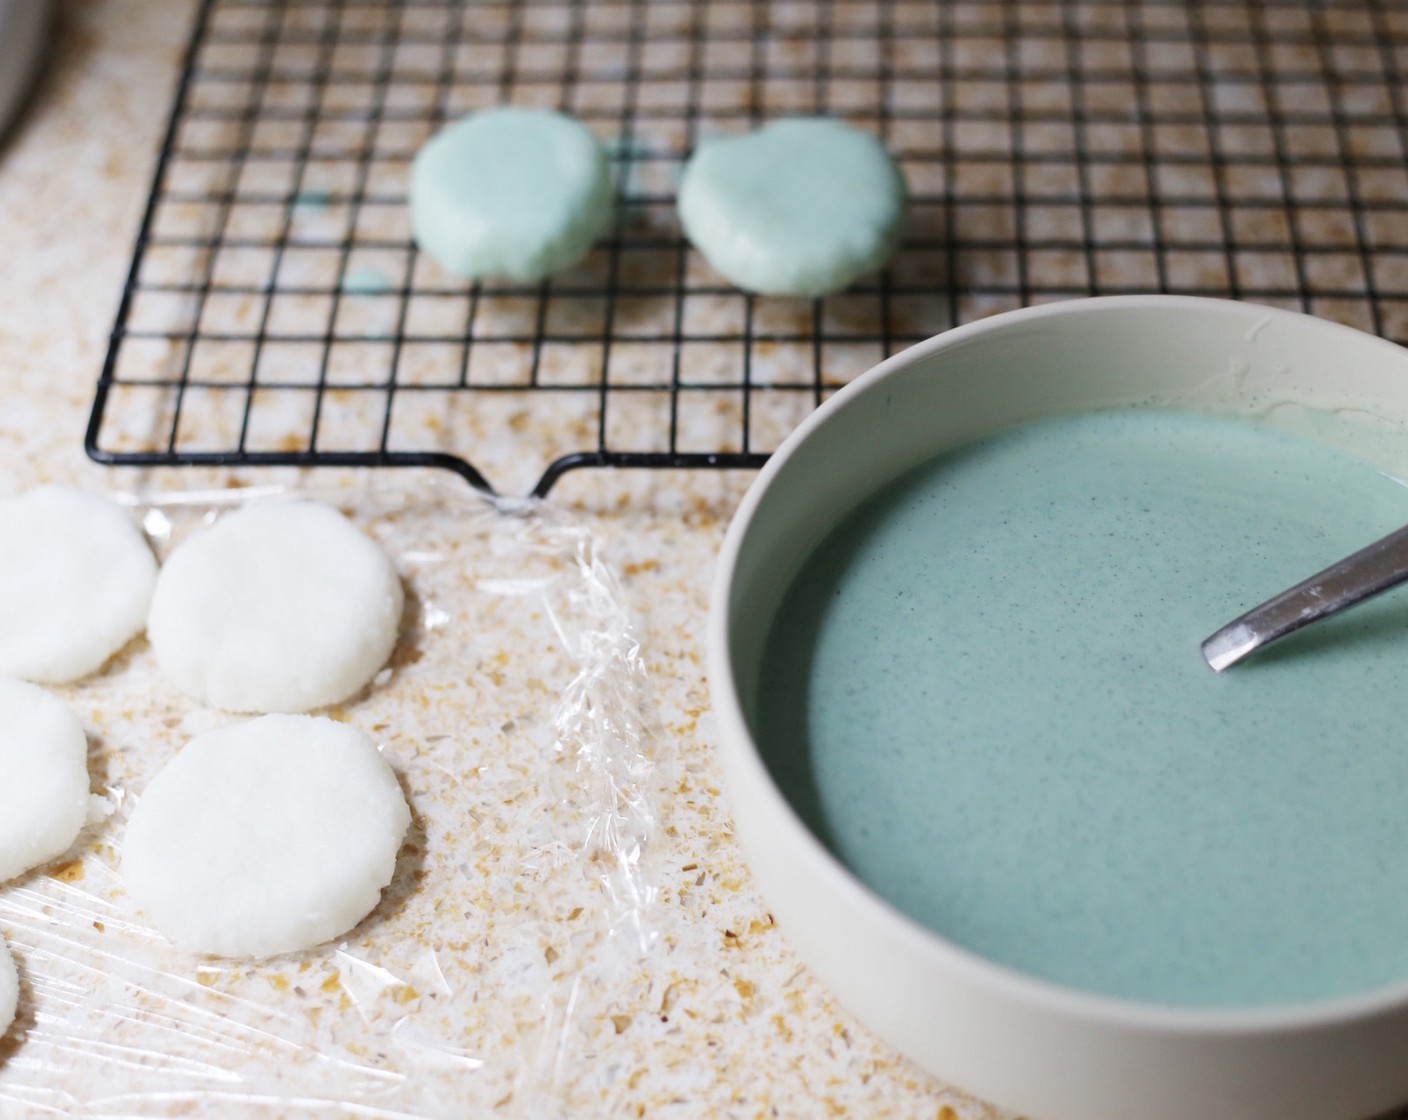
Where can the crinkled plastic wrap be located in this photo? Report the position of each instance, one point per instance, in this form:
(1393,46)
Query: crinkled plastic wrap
(519,923)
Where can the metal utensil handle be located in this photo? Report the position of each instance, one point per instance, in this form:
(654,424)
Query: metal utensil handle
(1380,566)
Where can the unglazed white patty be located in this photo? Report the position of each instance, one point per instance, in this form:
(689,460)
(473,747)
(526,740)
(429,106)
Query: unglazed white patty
(267,836)
(279,607)
(43,777)
(9,988)
(798,208)
(76,578)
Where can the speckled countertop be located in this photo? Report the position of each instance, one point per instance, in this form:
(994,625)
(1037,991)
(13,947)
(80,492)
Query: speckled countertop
(572,930)
(495,978)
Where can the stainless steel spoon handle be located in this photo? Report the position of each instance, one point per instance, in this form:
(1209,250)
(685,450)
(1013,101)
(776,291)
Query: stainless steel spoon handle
(1382,565)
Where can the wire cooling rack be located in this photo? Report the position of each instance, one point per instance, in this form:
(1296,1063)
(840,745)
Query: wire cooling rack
(277,311)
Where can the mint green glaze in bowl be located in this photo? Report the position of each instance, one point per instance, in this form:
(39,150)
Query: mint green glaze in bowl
(1030,1043)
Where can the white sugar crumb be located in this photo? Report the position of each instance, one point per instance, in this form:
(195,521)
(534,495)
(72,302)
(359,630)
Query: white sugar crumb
(100,808)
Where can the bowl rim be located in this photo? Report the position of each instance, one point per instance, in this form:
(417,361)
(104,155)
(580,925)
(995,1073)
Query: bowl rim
(736,739)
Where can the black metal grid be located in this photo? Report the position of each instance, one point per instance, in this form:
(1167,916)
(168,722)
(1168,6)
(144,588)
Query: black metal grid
(278,313)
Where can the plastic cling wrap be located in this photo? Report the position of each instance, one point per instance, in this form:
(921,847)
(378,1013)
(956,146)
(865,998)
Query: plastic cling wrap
(521,909)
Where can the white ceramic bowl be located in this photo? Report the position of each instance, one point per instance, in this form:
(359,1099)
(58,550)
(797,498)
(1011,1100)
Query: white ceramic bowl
(1024,1043)
(24,26)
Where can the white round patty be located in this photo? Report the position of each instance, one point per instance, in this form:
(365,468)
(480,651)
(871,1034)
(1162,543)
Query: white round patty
(9,988)
(267,836)
(798,208)
(76,578)
(43,777)
(280,607)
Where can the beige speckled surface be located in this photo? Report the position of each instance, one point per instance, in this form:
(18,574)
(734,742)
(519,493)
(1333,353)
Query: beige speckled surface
(1223,149)
(490,981)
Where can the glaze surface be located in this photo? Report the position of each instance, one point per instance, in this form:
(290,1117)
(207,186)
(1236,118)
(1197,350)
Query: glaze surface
(984,692)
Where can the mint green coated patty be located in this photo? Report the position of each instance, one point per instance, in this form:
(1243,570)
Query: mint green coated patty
(801,207)
(513,194)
